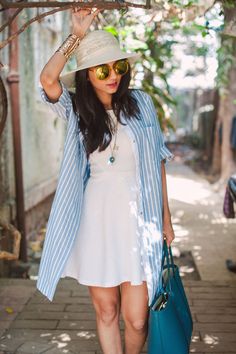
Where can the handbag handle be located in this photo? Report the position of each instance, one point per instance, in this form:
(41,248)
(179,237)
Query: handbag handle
(169,261)
(167,255)
(167,258)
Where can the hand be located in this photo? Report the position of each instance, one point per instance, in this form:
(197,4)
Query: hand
(82,19)
(168,232)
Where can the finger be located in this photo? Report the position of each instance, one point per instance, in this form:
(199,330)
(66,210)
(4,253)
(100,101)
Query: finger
(76,9)
(95,13)
(87,9)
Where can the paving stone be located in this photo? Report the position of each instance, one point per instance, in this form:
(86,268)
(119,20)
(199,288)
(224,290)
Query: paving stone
(26,315)
(43,324)
(44,307)
(4,324)
(40,334)
(61,300)
(10,301)
(19,282)
(81,292)
(220,337)
(2,331)
(59,351)
(68,323)
(16,307)
(207,283)
(213,347)
(217,296)
(87,325)
(211,290)
(213,310)
(34,348)
(17,291)
(214,303)
(71,283)
(10,344)
(215,327)
(5,316)
(79,308)
(216,318)
(61,293)
(82,346)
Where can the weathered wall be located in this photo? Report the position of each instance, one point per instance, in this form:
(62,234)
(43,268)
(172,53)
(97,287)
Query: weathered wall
(7,186)
(42,133)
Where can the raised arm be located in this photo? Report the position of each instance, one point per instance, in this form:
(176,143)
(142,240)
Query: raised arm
(49,77)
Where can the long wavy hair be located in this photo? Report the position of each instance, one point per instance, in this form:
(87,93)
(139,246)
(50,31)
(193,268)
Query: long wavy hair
(94,122)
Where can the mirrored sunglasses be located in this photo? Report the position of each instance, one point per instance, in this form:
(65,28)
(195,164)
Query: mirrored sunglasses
(103,71)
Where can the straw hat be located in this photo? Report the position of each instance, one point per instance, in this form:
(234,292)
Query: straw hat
(97,47)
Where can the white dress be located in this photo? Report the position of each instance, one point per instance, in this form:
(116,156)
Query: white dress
(106,251)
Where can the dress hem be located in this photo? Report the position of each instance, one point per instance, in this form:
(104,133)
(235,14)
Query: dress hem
(87,283)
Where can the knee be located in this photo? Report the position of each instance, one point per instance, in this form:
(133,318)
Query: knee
(107,314)
(139,325)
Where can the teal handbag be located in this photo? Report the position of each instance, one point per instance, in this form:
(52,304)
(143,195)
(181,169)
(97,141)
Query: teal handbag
(170,322)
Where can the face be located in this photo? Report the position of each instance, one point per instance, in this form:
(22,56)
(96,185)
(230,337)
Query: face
(110,84)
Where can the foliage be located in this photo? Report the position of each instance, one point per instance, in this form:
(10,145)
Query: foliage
(230,4)
(193,140)
(183,3)
(154,40)
(226,58)
(154,66)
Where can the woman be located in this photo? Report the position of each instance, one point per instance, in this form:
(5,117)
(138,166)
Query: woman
(110,210)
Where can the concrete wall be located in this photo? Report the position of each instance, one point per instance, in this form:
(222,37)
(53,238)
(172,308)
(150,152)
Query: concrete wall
(42,133)
(7,185)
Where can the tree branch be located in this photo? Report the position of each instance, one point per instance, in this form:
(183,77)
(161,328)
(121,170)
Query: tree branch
(27,24)
(10,20)
(98,4)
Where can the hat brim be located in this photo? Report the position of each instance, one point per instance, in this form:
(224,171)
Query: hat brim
(69,78)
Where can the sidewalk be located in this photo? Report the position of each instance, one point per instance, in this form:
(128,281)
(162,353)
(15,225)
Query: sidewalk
(199,223)
(67,325)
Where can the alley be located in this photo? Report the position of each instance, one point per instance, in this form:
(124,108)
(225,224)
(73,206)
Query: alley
(67,325)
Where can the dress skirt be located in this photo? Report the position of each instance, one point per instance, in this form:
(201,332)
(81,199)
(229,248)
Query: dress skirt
(106,251)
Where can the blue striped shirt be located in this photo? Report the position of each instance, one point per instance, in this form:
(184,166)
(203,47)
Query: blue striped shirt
(64,219)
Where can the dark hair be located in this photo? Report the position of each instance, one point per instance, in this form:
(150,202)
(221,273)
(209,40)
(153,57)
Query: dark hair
(94,121)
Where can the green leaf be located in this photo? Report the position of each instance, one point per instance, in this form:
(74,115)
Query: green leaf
(112,30)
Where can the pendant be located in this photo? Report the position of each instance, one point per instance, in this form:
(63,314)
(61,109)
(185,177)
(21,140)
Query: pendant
(111,160)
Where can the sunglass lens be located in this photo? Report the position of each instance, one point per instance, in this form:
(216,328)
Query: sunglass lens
(121,67)
(102,72)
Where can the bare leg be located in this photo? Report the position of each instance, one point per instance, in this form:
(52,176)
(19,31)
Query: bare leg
(106,302)
(134,308)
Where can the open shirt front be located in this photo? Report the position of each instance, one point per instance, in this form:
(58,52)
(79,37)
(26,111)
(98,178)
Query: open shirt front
(64,219)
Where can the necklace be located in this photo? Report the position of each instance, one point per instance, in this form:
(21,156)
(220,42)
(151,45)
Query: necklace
(111,159)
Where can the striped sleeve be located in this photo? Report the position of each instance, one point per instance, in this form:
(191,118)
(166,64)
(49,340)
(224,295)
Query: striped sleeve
(165,153)
(63,106)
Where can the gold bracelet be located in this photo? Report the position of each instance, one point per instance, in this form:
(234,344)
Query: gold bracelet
(69,45)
